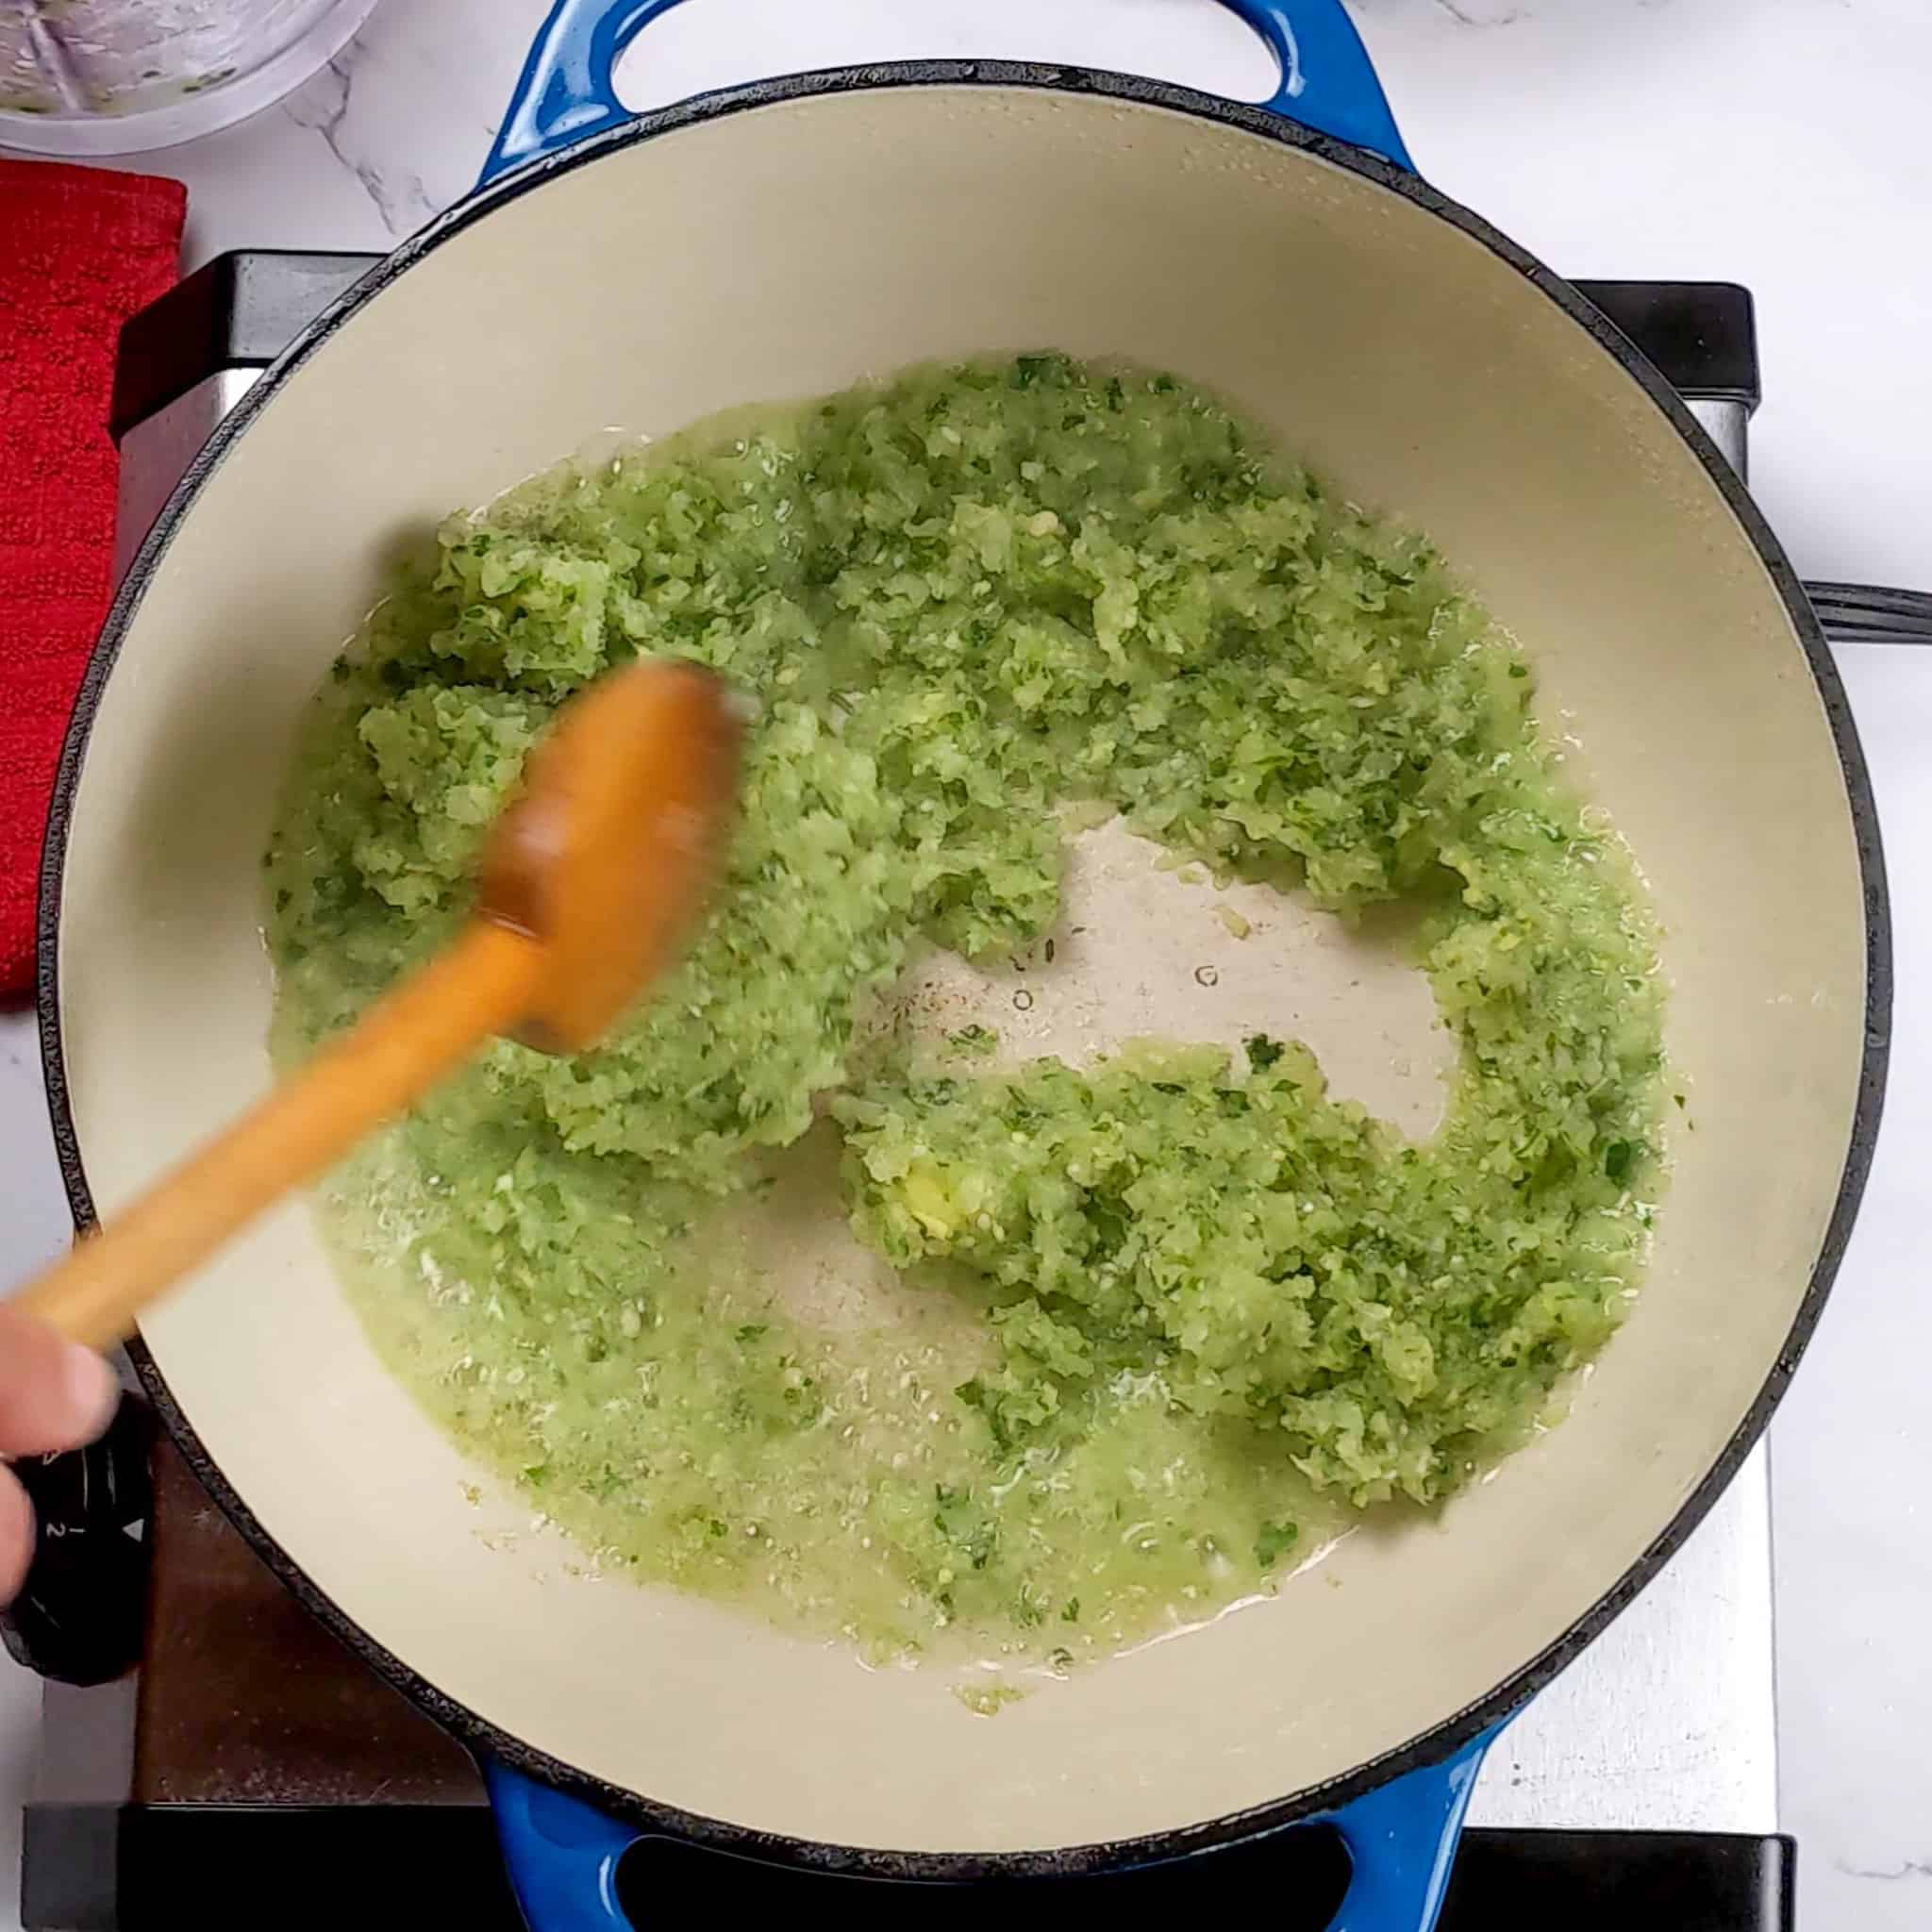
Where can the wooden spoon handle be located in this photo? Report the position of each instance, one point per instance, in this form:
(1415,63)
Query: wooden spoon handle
(406,1042)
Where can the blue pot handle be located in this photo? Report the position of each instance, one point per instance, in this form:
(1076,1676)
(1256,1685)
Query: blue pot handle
(1401,1839)
(562,1855)
(565,92)
(1327,80)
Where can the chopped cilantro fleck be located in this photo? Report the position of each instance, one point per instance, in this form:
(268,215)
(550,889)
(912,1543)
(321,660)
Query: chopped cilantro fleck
(1275,1541)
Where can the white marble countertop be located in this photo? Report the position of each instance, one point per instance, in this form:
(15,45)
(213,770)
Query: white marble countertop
(1765,141)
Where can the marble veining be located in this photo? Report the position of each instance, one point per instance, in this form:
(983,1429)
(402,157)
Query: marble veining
(1912,1868)
(324,106)
(1483,13)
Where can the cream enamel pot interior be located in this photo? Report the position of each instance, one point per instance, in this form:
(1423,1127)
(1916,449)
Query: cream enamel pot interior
(790,239)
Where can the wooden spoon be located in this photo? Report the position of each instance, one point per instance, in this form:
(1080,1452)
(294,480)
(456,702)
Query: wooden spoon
(592,875)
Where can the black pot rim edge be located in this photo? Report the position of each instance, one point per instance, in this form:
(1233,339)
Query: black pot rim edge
(1443,1737)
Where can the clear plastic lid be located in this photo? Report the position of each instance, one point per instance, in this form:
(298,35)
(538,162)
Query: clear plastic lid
(122,77)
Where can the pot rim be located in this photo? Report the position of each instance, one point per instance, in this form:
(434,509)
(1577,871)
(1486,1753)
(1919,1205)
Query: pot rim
(1443,1738)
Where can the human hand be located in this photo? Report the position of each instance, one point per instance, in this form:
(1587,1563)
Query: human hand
(54,1394)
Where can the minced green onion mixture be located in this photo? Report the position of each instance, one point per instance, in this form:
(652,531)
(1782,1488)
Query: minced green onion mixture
(1190,1314)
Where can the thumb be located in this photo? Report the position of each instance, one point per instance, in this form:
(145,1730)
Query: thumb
(54,1394)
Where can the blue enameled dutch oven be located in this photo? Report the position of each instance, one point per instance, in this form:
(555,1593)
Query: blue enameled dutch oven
(784,239)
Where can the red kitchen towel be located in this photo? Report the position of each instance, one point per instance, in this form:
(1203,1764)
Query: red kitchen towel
(80,251)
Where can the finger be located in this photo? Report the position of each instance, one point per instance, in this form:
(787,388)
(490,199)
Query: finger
(54,1394)
(16,1538)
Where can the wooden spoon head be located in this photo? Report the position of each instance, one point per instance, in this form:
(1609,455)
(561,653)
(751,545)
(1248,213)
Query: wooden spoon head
(605,857)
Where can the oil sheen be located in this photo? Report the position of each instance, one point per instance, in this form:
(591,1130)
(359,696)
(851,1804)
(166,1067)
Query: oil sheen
(809,1291)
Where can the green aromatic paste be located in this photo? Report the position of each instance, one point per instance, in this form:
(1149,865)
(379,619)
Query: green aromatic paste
(1153,1327)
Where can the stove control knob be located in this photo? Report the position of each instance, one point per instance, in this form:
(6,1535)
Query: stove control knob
(80,1616)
